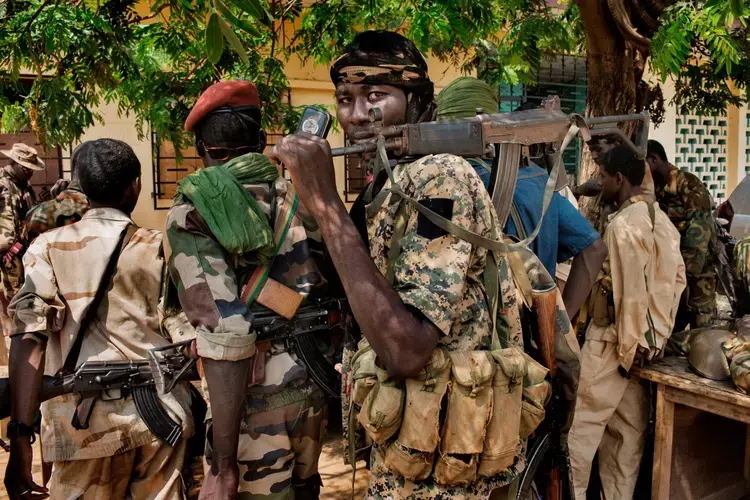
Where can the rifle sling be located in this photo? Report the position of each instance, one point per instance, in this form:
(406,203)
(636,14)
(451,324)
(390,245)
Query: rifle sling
(72,359)
(86,406)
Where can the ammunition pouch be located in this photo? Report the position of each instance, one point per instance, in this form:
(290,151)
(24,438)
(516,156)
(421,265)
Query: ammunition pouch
(536,394)
(412,453)
(470,402)
(471,407)
(383,408)
(503,431)
(601,303)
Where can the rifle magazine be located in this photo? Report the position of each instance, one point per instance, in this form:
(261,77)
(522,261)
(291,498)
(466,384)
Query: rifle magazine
(154,415)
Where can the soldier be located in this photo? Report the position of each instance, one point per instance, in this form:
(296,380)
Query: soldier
(115,455)
(632,313)
(267,423)
(565,234)
(685,199)
(16,198)
(437,298)
(67,207)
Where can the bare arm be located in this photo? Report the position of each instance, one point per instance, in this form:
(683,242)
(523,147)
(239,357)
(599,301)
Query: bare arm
(583,272)
(402,338)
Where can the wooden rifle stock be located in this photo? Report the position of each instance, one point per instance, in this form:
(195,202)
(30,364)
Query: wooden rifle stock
(545,303)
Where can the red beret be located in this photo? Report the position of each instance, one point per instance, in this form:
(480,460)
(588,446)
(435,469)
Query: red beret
(234,93)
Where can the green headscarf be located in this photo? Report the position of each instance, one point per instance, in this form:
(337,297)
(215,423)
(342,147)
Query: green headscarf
(232,214)
(462,97)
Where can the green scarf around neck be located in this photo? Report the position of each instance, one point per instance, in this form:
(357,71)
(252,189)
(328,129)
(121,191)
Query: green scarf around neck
(231,213)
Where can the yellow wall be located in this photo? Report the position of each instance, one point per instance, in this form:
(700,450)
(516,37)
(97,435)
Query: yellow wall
(310,84)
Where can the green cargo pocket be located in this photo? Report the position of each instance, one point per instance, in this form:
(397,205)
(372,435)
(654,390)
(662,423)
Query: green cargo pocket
(411,455)
(501,445)
(383,408)
(467,413)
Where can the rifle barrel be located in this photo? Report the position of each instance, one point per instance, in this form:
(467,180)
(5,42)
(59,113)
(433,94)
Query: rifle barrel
(368,147)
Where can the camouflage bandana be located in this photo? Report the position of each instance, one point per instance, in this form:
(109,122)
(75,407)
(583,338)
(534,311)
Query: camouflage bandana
(381,69)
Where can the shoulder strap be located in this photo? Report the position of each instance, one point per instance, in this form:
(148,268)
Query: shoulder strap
(109,272)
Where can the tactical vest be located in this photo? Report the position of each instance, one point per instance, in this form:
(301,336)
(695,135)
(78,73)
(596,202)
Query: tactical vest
(467,412)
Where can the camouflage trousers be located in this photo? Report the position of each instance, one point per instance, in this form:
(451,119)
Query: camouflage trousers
(152,471)
(701,305)
(281,437)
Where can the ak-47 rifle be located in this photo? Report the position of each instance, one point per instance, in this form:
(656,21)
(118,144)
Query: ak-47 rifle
(499,136)
(138,377)
(145,379)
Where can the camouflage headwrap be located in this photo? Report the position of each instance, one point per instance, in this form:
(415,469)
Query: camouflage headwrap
(389,69)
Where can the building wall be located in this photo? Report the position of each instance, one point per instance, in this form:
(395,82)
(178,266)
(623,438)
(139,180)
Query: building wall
(310,84)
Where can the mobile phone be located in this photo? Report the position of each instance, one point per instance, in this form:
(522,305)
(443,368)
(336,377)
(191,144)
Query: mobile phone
(315,122)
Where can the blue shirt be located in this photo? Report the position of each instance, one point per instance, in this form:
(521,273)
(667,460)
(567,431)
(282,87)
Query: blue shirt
(564,233)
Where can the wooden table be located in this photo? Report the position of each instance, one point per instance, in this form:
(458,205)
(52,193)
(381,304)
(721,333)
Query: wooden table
(676,383)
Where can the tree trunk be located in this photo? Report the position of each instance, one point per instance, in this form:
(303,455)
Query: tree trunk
(611,91)
(612,83)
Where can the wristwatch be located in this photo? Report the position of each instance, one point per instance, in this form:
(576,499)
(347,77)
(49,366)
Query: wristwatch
(18,429)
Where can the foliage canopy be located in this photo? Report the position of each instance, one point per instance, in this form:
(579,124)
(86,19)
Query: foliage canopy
(60,60)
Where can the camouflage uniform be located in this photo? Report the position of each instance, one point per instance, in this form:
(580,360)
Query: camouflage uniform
(285,416)
(16,198)
(685,199)
(67,208)
(116,456)
(440,275)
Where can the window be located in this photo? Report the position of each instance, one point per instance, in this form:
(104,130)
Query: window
(168,172)
(564,76)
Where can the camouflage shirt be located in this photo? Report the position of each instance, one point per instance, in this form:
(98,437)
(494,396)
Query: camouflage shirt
(440,275)
(210,281)
(55,296)
(68,207)
(685,200)
(16,199)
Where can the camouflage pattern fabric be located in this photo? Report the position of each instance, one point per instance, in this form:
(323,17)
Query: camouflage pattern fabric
(742,264)
(149,471)
(685,200)
(209,283)
(16,199)
(52,302)
(67,208)
(280,441)
(440,275)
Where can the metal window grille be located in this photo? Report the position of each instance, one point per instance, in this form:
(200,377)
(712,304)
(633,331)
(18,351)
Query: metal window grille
(562,75)
(168,171)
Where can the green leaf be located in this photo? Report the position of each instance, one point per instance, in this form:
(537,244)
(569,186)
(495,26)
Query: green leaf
(254,8)
(234,41)
(736,7)
(214,38)
(229,16)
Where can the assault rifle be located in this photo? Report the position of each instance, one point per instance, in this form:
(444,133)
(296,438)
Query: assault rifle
(499,136)
(92,379)
(145,379)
